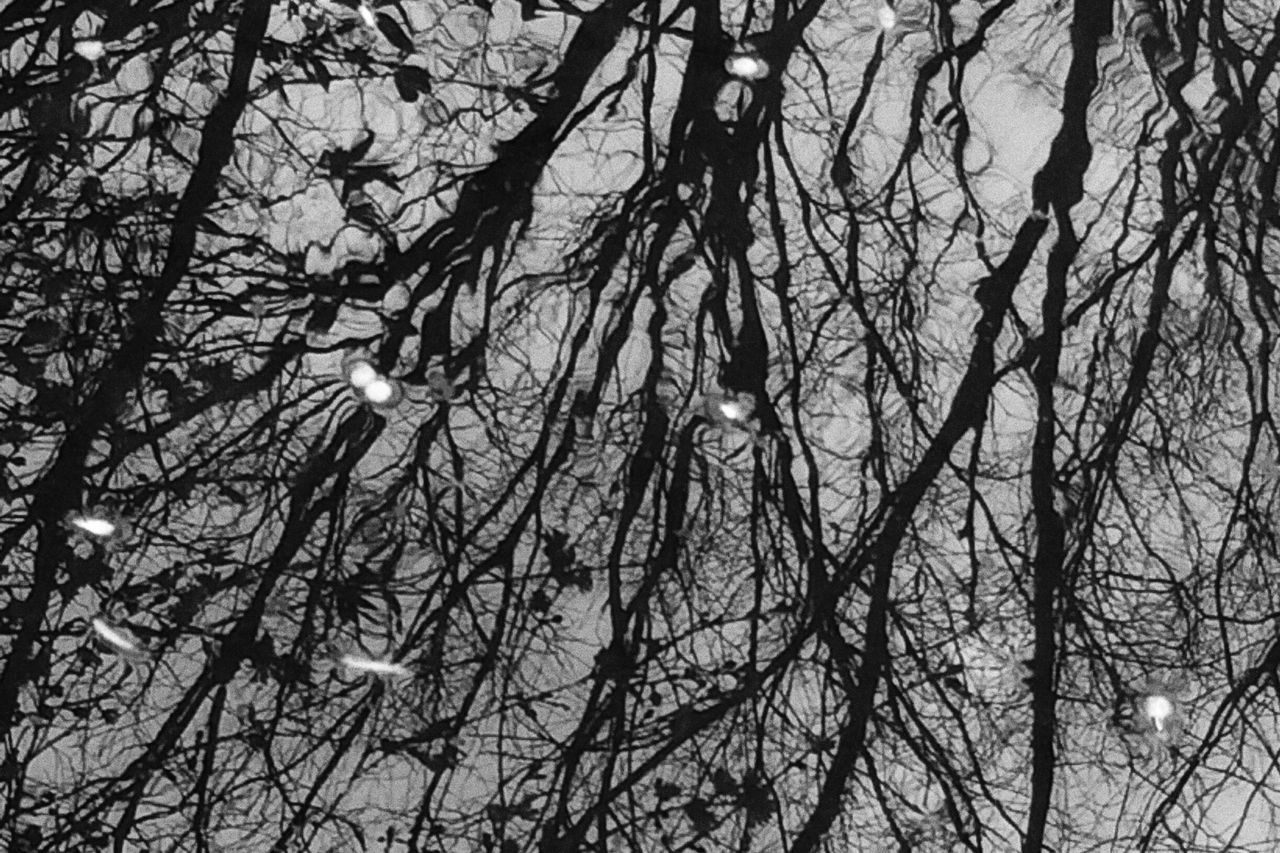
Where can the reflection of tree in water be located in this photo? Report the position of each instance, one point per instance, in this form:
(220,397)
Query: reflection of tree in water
(638,427)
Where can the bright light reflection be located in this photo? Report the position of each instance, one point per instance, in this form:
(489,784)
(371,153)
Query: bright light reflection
(367,14)
(888,17)
(382,668)
(94,526)
(1159,709)
(91,49)
(746,67)
(732,410)
(379,391)
(362,374)
(115,638)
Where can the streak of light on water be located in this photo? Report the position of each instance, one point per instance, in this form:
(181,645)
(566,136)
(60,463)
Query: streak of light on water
(383,669)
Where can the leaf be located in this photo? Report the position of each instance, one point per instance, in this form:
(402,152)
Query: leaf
(208,224)
(344,160)
(722,780)
(345,608)
(540,602)
(755,798)
(394,33)
(323,316)
(53,400)
(367,213)
(54,285)
(230,493)
(560,554)
(412,81)
(404,87)
(699,813)
(614,662)
(41,330)
(357,56)
(525,809)
(352,600)
(446,759)
(28,840)
(169,382)
(25,370)
(666,790)
(321,72)
(218,374)
(275,83)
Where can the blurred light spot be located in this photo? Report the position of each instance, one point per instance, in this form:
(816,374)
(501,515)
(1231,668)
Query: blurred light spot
(746,66)
(367,15)
(91,49)
(1159,709)
(94,526)
(369,384)
(888,17)
(117,639)
(381,392)
(733,410)
(385,669)
(727,410)
(361,375)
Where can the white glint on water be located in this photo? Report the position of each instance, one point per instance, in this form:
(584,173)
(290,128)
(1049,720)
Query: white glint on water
(888,17)
(733,410)
(94,526)
(379,391)
(366,14)
(1159,709)
(362,374)
(116,638)
(384,669)
(727,409)
(746,66)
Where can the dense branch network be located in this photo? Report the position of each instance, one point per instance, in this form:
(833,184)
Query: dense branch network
(786,445)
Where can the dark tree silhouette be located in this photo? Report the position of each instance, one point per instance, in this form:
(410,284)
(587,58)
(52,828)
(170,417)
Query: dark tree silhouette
(631,426)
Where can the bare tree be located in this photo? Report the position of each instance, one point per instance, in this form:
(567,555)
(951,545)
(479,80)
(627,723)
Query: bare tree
(635,426)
